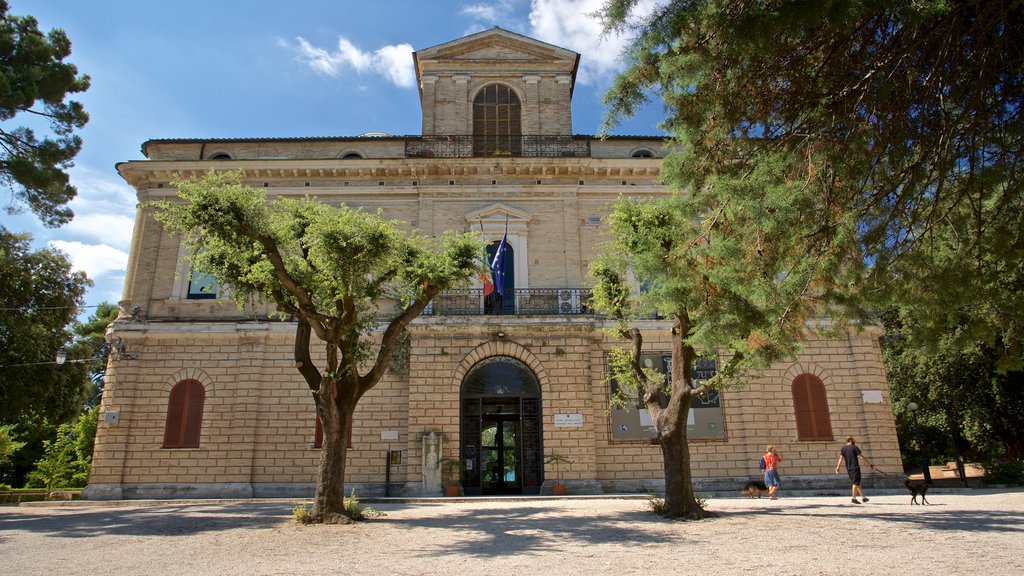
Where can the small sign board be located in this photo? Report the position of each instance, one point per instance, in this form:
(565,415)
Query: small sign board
(872,396)
(568,420)
(389,434)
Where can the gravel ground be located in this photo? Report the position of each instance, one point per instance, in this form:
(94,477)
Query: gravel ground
(981,532)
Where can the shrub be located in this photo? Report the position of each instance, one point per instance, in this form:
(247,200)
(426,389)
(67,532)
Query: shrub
(357,511)
(301,514)
(1004,471)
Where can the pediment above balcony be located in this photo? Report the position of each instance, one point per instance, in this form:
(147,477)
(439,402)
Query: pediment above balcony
(492,219)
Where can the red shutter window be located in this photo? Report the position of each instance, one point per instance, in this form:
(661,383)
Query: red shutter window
(811,407)
(184,415)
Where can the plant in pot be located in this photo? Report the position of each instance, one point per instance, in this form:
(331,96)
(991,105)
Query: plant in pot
(451,473)
(557,487)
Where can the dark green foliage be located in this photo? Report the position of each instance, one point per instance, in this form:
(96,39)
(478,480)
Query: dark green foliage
(962,395)
(67,458)
(35,80)
(884,137)
(40,295)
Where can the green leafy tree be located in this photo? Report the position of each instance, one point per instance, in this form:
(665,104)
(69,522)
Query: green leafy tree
(67,458)
(40,296)
(896,121)
(966,404)
(90,343)
(35,80)
(8,445)
(335,270)
(665,261)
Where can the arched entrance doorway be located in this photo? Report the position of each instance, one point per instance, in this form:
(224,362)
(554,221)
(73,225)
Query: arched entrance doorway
(501,428)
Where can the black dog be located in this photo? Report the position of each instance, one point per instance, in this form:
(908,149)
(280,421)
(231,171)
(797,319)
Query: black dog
(915,489)
(754,487)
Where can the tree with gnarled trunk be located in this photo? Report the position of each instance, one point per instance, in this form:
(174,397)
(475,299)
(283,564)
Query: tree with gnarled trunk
(329,267)
(664,261)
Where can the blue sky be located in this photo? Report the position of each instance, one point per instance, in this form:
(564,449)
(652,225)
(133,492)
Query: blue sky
(202,69)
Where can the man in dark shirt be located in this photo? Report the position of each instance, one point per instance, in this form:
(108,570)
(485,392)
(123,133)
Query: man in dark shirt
(852,455)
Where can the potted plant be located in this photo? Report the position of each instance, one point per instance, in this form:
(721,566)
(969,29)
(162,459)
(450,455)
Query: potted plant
(557,488)
(451,473)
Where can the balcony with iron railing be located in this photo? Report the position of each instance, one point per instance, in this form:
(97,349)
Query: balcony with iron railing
(522,302)
(467,146)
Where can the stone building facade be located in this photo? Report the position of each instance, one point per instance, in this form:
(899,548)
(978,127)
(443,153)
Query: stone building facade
(203,400)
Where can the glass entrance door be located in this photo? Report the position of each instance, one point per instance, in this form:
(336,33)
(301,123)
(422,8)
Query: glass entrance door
(500,457)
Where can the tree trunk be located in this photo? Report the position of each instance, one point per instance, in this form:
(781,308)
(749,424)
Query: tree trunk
(329,500)
(680,501)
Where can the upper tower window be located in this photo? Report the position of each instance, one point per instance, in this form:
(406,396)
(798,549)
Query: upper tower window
(497,122)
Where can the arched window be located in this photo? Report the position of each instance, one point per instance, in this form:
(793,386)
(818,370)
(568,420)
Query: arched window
(184,415)
(352,156)
(221,156)
(497,122)
(811,407)
(643,154)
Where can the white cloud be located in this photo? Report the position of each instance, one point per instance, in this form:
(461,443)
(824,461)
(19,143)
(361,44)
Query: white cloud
(96,260)
(104,209)
(481,12)
(572,24)
(393,62)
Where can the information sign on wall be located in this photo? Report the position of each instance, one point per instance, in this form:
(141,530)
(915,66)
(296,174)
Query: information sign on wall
(568,420)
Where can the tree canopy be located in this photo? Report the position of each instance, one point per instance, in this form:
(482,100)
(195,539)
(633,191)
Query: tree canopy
(337,271)
(36,81)
(886,133)
(663,261)
(40,296)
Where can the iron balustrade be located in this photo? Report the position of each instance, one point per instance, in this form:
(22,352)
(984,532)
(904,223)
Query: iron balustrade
(467,146)
(529,301)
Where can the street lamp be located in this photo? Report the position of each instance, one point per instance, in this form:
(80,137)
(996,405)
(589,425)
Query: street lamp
(62,355)
(924,459)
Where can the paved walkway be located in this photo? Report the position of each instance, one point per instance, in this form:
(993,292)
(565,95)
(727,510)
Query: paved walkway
(981,532)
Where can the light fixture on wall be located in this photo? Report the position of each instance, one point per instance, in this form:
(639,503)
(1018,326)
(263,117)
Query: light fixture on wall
(501,334)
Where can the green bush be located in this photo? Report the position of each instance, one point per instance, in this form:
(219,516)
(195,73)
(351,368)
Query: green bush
(357,511)
(1004,471)
(301,514)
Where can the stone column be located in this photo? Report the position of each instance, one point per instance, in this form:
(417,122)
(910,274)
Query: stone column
(531,108)
(564,82)
(429,104)
(463,122)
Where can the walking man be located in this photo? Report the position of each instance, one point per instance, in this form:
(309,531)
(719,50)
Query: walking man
(852,455)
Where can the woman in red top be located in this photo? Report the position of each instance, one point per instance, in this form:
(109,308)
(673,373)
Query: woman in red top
(771,471)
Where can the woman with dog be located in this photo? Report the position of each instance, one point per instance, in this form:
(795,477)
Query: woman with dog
(771,471)
(852,455)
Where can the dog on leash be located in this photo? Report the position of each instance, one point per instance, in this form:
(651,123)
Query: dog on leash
(754,487)
(916,488)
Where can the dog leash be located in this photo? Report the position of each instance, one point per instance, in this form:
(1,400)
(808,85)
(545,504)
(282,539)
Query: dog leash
(887,475)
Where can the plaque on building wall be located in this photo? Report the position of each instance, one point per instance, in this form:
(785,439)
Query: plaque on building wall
(872,396)
(568,420)
(705,419)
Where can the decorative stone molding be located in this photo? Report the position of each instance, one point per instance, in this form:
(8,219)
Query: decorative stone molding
(501,348)
(190,374)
